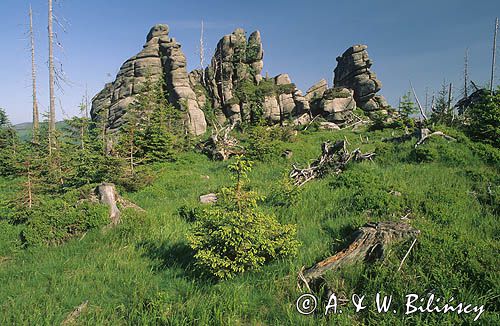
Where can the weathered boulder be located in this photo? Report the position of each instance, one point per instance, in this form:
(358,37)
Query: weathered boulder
(353,72)
(337,104)
(314,95)
(328,126)
(316,90)
(208,198)
(161,57)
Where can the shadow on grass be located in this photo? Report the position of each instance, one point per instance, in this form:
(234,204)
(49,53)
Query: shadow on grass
(174,256)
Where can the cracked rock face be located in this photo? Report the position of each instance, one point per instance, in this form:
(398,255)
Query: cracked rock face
(161,57)
(287,103)
(353,72)
(236,59)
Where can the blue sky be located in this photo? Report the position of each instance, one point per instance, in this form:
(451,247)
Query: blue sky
(423,41)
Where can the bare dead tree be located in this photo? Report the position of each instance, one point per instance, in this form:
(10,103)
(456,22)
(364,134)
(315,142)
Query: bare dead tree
(36,121)
(418,102)
(202,53)
(493,60)
(426,104)
(466,72)
(221,145)
(450,95)
(52,107)
(87,102)
(433,103)
(450,99)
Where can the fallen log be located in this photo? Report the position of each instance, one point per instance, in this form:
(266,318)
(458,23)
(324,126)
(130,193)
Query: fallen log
(422,134)
(333,158)
(425,133)
(368,244)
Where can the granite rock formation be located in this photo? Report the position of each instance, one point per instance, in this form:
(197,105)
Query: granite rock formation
(232,87)
(353,72)
(236,59)
(287,101)
(161,57)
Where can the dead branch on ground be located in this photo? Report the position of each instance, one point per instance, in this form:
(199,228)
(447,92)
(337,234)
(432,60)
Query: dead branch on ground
(334,158)
(221,145)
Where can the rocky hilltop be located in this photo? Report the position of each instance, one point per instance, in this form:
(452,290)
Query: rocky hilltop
(161,57)
(232,87)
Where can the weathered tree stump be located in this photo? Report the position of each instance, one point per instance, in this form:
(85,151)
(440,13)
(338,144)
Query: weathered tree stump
(368,244)
(106,194)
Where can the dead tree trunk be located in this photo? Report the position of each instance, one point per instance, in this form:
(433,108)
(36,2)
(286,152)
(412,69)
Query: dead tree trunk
(493,60)
(368,244)
(202,55)
(422,112)
(466,72)
(52,106)
(424,134)
(36,123)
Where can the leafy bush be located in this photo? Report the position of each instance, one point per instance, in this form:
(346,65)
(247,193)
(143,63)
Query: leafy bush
(487,152)
(55,221)
(234,236)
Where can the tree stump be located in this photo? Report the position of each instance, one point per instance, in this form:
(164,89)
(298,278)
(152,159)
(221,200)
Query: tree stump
(108,196)
(368,244)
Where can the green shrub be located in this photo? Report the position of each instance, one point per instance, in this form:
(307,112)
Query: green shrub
(486,152)
(285,193)
(425,153)
(483,119)
(262,146)
(234,236)
(55,221)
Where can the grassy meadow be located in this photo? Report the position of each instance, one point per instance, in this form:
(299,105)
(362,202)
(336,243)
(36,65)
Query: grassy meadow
(142,272)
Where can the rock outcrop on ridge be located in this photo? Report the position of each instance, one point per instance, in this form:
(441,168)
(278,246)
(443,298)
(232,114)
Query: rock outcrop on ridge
(161,57)
(232,88)
(353,72)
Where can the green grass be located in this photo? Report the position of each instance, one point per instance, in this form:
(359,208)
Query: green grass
(142,271)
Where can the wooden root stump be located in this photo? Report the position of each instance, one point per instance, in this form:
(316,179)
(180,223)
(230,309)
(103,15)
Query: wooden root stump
(221,145)
(106,194)
(368,244)
(334,158)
